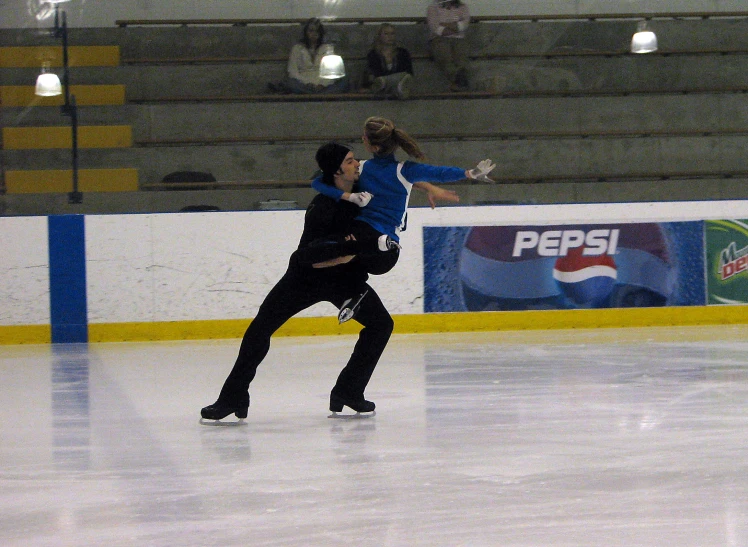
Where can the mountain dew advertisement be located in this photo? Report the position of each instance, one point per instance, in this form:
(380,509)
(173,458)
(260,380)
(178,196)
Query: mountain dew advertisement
(727,261)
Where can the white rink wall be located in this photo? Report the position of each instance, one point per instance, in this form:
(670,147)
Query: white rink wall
(24,271)
(220,265)
(104,13)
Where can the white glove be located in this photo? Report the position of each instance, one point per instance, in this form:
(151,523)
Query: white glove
(482,170)
(361,199)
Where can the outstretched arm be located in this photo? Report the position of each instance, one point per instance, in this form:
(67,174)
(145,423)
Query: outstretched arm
(433,173)
(435,193)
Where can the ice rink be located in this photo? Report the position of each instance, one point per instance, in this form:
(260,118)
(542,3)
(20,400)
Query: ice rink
(607,438)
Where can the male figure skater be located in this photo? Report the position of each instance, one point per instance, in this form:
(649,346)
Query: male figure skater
(302,286)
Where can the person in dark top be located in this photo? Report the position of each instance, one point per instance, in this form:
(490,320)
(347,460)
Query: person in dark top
(305,284)
(389,69)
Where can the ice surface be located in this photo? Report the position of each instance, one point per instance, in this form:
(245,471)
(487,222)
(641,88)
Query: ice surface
(630,437)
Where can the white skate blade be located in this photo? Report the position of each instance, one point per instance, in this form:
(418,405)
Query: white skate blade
(219,423)
(356,416)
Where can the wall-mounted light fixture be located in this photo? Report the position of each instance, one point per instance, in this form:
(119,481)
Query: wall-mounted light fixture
(644,40)
(48,85)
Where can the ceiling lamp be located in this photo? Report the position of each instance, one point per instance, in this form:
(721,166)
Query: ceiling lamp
(48,84)
(643,41)
(331,67)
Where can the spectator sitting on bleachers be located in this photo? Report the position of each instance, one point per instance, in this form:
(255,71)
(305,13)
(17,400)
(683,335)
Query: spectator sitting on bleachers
(389,69)
(304,61)
(448,21)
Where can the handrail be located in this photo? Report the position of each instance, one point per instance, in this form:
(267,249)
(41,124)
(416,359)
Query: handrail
(269,97)
(437,95)
(420,20)
(599,177)
(499,136)
(566,53)
(218,185)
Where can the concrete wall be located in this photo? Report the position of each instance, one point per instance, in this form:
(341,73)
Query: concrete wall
(23,14)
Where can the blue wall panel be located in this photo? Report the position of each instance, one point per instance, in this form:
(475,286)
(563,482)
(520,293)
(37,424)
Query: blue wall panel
(67,279)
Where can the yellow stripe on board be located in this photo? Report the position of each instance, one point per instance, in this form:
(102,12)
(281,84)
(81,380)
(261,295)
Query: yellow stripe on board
(207,330)
(89,180)
(89,136)
(37,56)
(404,324)
(25,334)
(85,95)
(572,319)
(433,323)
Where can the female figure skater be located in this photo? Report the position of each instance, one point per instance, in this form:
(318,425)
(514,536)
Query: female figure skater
(385,184)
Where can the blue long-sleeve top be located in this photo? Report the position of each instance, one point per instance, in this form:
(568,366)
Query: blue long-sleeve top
(390,182)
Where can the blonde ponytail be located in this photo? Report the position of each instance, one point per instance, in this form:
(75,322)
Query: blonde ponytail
(382,134)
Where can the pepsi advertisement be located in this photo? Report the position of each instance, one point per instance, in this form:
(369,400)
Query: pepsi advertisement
(499,268)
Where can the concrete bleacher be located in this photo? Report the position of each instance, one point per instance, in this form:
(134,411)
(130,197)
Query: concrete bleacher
(510,77)
(529,138)
(559,55)
(37,127)
(561,106)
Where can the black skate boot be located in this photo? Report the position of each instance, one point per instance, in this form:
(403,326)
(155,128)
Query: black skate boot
(337,402)
(350,307)
(219,410)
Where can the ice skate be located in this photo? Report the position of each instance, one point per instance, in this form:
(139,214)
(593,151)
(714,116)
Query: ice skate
(213,414)
(350,307)
(386,243)
(361,407)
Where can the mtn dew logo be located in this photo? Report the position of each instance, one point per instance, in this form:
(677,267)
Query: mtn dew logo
(727,261)
(733,261)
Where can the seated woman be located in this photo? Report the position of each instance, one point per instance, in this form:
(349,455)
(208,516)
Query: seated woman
(389,70)
(304,61)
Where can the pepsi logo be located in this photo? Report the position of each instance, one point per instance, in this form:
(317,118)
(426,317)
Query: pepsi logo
(585,279)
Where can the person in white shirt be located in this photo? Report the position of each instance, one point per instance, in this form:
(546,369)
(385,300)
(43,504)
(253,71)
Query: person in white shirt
(448,21)
(304,61)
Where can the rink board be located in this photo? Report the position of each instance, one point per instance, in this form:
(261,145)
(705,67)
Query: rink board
(204,275)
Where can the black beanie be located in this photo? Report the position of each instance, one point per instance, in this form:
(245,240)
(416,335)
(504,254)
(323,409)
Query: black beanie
(329,157)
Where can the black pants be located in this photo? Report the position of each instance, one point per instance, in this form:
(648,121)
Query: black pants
(293,293)
(363,245)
